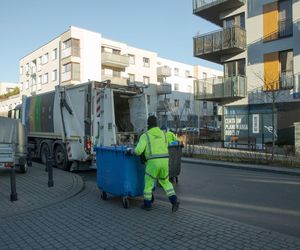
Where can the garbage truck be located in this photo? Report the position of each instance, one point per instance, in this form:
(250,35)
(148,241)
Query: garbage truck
(13,148)
(68,122)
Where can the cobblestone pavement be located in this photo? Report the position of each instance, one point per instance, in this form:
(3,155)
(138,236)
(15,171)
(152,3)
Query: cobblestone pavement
(84,221)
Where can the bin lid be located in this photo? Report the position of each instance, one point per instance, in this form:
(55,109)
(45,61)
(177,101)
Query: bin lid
(112,148)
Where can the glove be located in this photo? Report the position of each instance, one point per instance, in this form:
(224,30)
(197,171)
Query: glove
(130,151)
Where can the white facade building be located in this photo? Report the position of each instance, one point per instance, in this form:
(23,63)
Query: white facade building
(80,55)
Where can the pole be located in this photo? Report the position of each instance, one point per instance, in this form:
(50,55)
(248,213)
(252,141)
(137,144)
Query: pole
(13,194)
(49,168)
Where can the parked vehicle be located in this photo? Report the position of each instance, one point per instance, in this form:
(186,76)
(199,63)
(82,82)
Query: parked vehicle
(13,148)
(67,123)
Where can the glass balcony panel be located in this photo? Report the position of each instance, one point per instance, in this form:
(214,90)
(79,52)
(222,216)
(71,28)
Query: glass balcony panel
(221,89)
(115,60)
(213,45)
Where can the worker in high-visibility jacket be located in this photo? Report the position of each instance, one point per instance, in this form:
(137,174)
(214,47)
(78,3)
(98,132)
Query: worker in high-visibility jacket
(154,144)
(171,137)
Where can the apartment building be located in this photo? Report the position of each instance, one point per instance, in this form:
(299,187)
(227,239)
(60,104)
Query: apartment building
(79,55)
(258,46)
(10,102)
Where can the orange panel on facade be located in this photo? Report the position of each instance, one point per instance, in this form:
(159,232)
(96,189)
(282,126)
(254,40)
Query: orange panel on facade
(270,19)
(271,71)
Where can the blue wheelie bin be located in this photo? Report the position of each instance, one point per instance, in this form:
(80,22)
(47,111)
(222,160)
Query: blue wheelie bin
(118,173)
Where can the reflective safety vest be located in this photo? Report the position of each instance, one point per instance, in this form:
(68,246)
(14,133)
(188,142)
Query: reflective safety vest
(157,150)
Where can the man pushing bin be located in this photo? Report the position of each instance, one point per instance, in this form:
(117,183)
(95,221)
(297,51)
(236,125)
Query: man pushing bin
(154,144)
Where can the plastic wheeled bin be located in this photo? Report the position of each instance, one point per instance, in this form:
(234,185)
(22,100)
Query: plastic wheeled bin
(118,173)
(175,152)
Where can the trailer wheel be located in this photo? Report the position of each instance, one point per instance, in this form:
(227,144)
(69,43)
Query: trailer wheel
(125,202)
(104,196)
(44,153)
(60,157)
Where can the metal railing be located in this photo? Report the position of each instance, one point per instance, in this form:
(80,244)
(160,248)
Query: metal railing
(233,37)
(285,27)
(164,89)
(221,87)
(287,80)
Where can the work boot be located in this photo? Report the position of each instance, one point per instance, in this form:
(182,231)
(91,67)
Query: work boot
(175,206)
(147,205)
(174,202)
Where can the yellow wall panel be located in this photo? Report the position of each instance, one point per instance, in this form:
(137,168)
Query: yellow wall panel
(271,71)
(270,20)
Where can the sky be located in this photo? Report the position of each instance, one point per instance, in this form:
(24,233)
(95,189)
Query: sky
(162,26)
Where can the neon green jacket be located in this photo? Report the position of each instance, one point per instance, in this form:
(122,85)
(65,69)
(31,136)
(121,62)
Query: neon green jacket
(155,144)
(171,137)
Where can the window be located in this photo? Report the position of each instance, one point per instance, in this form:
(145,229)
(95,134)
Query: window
(45,58)
(146,80)
(286,69)
(176,86)
(238,20)
(39,80)
(45,78)
(187,104)
(285,22)
(131,59)
(176,71)
(116,51)
(27,68)
(71,47)
(146,62)
(54,75)
(190,89)
(187,73)
(67,67)
(204,105)
(54,54)
(204,75)
(131,78)
(21,70)
(235,68)
(176,102)
(76,71)
(148,99)
(26,85)
(116,73)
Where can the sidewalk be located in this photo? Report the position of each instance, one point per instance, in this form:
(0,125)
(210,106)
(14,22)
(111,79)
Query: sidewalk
(71,215)
(33,191)
(252,167)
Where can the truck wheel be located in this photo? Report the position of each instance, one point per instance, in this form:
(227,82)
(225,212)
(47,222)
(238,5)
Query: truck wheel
(22,168)
(44,153)
(60,157)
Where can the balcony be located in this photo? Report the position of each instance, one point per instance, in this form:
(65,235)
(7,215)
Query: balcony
(115,60)
(164,71)
(115,80)
(213,45)
(211,9)
(221,89)
(163,106)
(164,89)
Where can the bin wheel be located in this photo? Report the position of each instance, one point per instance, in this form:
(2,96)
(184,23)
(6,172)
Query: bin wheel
(104,196)
(125,202)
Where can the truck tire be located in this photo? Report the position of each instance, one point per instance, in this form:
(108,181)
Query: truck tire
(22,168)
(44,153)
(60,158)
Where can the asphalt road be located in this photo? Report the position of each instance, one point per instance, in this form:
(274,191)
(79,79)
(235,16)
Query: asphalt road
(267,200)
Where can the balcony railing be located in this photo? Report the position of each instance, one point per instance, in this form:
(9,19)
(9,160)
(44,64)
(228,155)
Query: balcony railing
(164,71)
(287,80)
(115,80)
(211,9)
(115,60)
(164,89)
(221,89)
(213,45)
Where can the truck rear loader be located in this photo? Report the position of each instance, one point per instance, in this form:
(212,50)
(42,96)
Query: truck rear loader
(68,122)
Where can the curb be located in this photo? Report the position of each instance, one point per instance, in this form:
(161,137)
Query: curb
(232,165)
